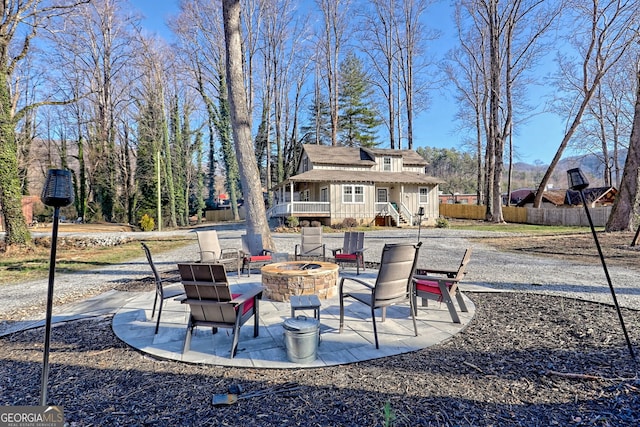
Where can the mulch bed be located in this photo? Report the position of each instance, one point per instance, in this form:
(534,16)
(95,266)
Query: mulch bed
(524,360)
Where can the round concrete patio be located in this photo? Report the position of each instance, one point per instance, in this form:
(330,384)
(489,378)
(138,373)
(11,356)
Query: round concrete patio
(133,324)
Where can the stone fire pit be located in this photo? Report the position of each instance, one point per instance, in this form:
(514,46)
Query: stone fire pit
(284,279)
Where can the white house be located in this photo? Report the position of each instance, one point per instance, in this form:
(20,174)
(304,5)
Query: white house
(368,184)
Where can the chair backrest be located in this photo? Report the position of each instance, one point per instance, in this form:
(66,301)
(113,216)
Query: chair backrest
(205,281)
(397,265)
(252,244)
(209,245)
(311,241)
(156,275)
(463,264)
(353,241)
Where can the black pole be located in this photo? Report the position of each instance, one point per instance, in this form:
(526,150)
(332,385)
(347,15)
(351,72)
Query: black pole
(47,330)
(606,273)
(420,215)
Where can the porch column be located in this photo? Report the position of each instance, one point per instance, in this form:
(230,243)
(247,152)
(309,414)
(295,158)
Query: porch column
(291,197)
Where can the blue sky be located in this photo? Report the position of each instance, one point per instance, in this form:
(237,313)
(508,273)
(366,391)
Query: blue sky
(537,140)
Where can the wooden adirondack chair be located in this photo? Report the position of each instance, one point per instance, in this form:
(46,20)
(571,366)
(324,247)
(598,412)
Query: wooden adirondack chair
(212,304)
(442,286)
(352,250)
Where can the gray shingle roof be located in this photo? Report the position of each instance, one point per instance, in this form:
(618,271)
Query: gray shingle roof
(358,156)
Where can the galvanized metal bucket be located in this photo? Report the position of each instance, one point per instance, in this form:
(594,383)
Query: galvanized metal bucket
(301,337)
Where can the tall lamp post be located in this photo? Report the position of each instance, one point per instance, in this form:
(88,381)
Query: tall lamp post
(420,215)
(578,182)
(57,192)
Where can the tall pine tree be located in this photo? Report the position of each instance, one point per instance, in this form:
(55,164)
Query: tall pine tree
(358,122)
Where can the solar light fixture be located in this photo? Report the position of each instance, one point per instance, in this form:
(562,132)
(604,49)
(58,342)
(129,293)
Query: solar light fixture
(420,215)
(578,182)
(57,192)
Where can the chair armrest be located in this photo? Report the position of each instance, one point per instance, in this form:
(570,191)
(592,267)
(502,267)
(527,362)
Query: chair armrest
(171,279)
(335,251)
(207,252)
(359,281)
(267,252)
(427,271)
(435,278)
(229,251)
(253,293)
(360,250)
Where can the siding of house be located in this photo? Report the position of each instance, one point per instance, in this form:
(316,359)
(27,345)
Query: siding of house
(341,210)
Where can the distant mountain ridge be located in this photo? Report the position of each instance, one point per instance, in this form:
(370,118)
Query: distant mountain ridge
(590,164)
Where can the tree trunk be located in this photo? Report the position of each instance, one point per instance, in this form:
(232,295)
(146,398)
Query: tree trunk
(625,208)
(241,123)
(15,224)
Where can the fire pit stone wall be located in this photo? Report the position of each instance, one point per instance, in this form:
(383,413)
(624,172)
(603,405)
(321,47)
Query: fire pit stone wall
(284,279)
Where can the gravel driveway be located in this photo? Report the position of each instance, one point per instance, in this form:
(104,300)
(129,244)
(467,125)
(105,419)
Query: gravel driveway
(489,268)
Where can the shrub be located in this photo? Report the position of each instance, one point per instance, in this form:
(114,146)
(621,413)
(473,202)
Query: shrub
(292,221)
(147,223)
(316,224)
(349,223)
(442,222)
(304,223)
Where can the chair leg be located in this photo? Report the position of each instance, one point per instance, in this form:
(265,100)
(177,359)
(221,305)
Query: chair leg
(375,329)
(463,306)
(187,339)
(236,336)
(153,310)
(341,313)
(256,318)
(446,298)
(413,316)
(159,314)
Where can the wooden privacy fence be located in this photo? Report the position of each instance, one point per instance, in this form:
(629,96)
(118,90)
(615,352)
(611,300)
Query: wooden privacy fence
(574,216)
(221,215)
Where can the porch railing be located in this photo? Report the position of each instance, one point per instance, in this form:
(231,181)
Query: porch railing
(407,215)
(294,208)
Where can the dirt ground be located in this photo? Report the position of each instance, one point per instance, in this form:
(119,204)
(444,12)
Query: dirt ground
(616,247)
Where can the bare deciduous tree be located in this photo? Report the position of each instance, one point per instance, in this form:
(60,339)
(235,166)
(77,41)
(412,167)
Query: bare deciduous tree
(603,33)
(333,37)
(241,123)
(14,48)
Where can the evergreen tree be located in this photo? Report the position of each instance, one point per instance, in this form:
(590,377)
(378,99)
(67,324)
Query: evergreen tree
(318,129)
(358,122)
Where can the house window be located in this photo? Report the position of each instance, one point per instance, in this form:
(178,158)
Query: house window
(305,164)
(424,195)
(304,196)
(386,163)
(352,194)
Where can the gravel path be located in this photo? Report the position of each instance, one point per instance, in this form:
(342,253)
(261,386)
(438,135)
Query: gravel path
(489,268)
